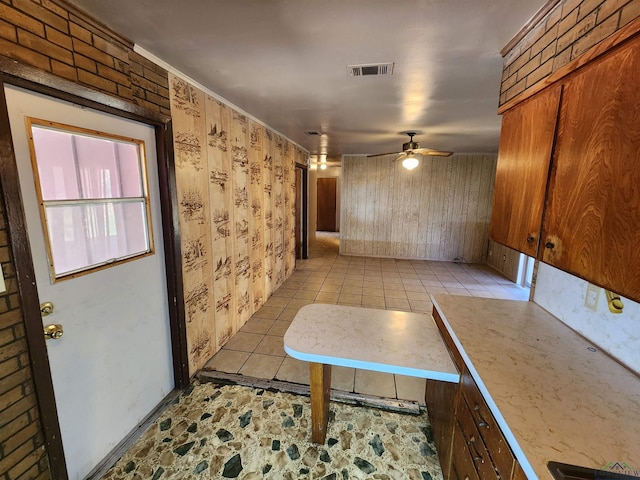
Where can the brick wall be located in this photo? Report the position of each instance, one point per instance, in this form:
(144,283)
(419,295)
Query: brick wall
(54,36)
(568,31)
(20,429)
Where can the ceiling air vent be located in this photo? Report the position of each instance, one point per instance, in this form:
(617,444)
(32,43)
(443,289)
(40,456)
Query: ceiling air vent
(370,69)
(313,133)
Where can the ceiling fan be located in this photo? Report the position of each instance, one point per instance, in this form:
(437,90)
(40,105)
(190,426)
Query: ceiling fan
(410,152)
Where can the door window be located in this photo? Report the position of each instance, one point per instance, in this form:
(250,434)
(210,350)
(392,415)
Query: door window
(93,197)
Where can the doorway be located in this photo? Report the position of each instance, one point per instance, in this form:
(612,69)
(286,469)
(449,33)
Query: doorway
(327,212)
(301,215)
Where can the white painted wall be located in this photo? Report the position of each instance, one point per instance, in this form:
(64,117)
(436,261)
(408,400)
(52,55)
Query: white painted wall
(563,295)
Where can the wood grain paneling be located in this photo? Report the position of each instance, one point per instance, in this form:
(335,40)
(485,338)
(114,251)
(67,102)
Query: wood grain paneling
(592,216)
(504,259)
(526,144)
(440,211)
(236,193)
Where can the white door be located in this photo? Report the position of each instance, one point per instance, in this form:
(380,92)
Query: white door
(113,364)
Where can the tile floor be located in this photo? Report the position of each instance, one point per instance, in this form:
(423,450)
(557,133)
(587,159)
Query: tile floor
(326,277)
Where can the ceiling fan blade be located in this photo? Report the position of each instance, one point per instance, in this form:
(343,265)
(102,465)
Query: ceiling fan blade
(433,153)
(383,154)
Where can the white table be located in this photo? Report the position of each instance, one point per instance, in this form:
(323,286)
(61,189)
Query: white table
(387,341)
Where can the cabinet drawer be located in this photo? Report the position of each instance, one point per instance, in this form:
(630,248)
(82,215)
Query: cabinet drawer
(453,350)
(488,428)
(461,463)
(477,448)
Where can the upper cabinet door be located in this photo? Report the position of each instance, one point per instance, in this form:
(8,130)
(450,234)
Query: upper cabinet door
(526,144)
(592,221)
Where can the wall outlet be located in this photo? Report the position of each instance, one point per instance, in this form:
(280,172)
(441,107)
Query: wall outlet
(592,297)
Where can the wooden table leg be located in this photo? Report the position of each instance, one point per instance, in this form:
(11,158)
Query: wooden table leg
(320,383)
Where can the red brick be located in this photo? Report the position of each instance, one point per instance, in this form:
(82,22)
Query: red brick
(19,19)
(47,16)
(10,319)
(8,31)
(609,7)
(28,433)
(57,9)
(599,33)
(80,33)
(25,55)
(113,75)
(26,464)
(85,63)
(42,45)
(561,59)
(111,49)
(58,38)
(539,73)
(579,30)
(630,12)
(91,52)
(97,82)
(64,70)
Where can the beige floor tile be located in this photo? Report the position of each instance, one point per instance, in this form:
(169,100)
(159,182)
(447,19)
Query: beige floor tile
(293,370)
(351,290)
(434,290)
(228,361)
(410,388)
(330,288)
(348,299)
(271,345)
(285,292)
(458,291)
(373,301)
(417,296)
(375,383)
(257,325)
(327,297)
(261,366)
(298,303)
(431,282)
(278,328)
(305,294)
(268,312)
(421,306)
(414,287)
(397,303)
(373,292)
(393,293)
(277,302)
(243,342)
(343,378)
(287,314)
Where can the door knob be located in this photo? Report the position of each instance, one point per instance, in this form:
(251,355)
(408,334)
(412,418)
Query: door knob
(53,331)
(46,308)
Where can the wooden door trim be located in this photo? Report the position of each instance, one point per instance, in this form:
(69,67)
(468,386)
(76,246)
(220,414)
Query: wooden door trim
(305,209)
(33,79)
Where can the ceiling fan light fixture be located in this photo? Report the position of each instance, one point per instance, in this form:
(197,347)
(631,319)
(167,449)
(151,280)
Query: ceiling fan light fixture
(323,166)
(410,162)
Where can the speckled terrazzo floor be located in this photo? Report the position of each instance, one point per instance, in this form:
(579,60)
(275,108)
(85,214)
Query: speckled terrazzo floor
(215,431)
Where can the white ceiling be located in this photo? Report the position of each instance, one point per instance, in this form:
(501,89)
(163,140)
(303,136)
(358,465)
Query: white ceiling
(285,63)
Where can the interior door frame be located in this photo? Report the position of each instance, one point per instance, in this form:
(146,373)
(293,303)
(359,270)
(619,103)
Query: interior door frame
(33,79)
(304,208)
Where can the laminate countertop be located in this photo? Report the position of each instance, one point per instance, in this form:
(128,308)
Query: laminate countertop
(555,395)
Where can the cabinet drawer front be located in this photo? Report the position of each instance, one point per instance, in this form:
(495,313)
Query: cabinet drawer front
(453,350)
(477,448)
(487,428)
(461,462)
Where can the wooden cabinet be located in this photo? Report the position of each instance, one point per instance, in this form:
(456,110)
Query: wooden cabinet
(589,221)
(592,219)
(526,143)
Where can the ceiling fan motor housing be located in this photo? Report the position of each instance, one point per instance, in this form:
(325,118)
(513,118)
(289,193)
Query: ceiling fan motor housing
(411,145)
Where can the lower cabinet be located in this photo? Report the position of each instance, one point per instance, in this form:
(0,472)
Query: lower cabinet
(469,442)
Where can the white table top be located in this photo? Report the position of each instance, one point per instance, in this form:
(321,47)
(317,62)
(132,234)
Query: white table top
(387,341)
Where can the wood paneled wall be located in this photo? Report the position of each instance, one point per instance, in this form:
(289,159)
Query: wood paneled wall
(439,211)
(236,192)
(504,259)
